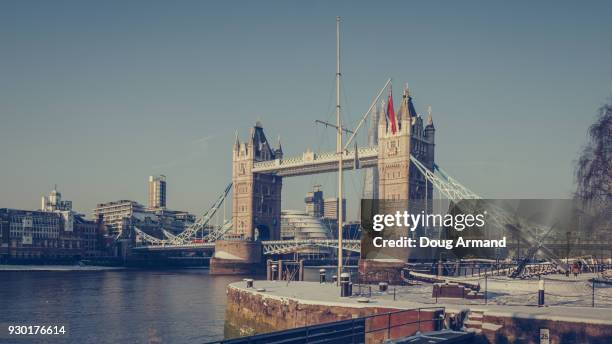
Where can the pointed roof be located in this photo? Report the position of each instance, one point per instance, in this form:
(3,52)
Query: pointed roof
(54,192)
(429,117)
(236,142)
(411,111)
(280,147)
(260,143)
(403,109)
(382,118)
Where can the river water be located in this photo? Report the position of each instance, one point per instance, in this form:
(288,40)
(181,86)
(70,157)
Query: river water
(116,306)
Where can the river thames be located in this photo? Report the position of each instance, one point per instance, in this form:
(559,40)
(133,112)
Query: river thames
(116,306)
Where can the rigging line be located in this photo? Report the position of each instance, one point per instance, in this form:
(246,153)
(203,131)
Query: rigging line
(323,139)
(350,120)
(366,114)
(347,109)
(331,109)
(356,188)
(322,135)
(359,203)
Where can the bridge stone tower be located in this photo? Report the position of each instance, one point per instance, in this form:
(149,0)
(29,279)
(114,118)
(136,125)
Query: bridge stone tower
(256,197)
(399,181)
(397,178)
(394,156)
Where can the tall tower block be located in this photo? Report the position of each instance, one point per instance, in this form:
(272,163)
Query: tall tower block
(157,192)
(256,197)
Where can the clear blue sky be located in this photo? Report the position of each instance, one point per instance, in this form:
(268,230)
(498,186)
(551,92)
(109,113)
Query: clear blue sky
(97,95)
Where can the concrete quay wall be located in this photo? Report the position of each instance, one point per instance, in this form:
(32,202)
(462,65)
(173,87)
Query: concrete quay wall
(249,312)
(526,329)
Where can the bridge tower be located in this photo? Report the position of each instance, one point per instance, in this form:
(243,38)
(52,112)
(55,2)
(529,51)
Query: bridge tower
(256,197)
(399,183)
(397,178)
(394,155)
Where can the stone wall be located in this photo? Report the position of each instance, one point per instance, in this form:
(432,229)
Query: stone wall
(237,258)
(249,312)
(246,251)
(527,330)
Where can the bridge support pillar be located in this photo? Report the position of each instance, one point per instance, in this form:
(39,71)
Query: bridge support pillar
(237,257)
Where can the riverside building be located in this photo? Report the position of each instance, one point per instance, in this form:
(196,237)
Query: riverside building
(121,217)
(53,233)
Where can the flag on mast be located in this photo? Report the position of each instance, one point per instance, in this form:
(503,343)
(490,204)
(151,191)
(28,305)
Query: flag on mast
(391,112)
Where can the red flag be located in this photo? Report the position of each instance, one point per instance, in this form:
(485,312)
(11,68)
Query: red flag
(391,112)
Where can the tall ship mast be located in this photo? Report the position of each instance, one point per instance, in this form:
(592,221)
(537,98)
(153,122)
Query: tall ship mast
(339,148)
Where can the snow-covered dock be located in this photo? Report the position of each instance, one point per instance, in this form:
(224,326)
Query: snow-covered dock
(510,311)
(569,299)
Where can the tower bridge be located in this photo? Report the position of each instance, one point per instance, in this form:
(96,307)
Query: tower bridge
(399,165)
(258,169)
(258,172)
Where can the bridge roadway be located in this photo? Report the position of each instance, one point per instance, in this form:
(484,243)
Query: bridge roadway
(311,162)
(269,247)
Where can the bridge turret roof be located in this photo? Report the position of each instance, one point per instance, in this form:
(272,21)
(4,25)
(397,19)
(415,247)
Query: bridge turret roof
(280,147)
(430,123)
(237,142)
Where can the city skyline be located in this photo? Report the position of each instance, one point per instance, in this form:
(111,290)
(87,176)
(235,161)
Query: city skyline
(97,108)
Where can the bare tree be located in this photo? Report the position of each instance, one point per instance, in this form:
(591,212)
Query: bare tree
(594,167)
(594,178)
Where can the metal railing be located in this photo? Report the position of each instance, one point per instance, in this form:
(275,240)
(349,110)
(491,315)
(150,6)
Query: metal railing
(344,331)
(393,320)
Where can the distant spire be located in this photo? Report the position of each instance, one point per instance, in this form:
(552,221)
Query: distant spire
(411,111)
(407,90)
(382,118)
(402,113)
(356,161)
(236,142)
(280,147)
(429,117)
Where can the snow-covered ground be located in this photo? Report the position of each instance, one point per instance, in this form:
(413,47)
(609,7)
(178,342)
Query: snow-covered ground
(558,290)
(565,297)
